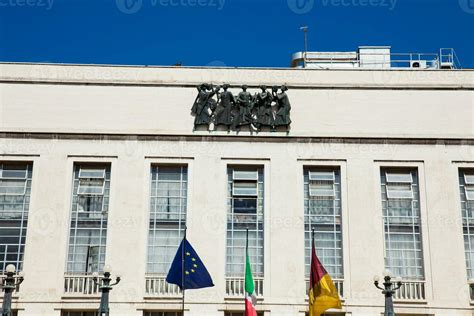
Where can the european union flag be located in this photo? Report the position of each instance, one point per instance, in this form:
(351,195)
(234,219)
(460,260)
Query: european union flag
(195,273)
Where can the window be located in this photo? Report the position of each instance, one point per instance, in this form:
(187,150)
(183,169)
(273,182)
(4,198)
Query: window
(75,313)
(322,212)
(466,186)
(244,188)
(245,210)
(162,313)
(240,313)
(402,223)
(15,190)
(168,205)
(89,214)
(399,185)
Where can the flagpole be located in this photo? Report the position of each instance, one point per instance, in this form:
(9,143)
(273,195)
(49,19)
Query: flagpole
(183,261)
(313,247)
(245,266)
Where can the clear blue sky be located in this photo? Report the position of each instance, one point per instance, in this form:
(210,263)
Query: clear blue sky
(225,32)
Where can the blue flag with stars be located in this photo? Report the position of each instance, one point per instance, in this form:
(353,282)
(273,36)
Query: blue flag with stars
(195,273)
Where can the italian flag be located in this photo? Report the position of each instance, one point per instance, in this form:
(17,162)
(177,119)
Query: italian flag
(250,297)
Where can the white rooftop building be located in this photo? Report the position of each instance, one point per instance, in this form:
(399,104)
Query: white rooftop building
(376,57)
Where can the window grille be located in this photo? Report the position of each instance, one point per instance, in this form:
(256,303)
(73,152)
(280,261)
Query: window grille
(77,313)
(402,223)
(89,214)
(240,314)
(168,205)
(469,186)
(245,175)
(162,313)
(399,185)
(15,191)
(322,212)
(244,210)
(466,184)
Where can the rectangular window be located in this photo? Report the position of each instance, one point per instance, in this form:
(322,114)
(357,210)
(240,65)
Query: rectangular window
(244,210)
(76,313)
(162,313)
(322,212)
(402,223)
(168,205)
(89,214)
(240,313)
(15,190)
(466,186)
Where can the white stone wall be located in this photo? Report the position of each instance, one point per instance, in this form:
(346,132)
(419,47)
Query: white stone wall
(157,101)
(284,247)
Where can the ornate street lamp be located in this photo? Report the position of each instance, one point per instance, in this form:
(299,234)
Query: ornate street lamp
(9,284)
(105,287)
(388,290)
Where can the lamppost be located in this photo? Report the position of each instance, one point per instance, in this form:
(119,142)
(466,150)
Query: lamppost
(388,290)
(105,287)
(9,284)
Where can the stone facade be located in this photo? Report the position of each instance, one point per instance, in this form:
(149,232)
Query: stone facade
(133,117)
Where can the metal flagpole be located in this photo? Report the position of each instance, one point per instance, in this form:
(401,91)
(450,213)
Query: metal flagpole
(245,266)
(313,247)
(183,262)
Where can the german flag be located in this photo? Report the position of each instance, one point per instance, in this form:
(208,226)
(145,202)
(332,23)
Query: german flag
(323,294)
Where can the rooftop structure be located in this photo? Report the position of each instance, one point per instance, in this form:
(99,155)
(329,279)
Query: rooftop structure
(377,57)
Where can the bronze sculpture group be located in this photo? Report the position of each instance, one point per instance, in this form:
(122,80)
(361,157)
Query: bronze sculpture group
(217,106)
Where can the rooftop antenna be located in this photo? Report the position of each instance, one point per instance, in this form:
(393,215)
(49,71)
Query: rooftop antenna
(305,31)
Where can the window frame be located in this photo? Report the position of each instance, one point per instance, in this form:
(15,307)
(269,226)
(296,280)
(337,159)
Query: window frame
(93,222)
(250,195)
(237,221)
(158,224)
(412,220)
(324,223)
(18,217)
(466,207)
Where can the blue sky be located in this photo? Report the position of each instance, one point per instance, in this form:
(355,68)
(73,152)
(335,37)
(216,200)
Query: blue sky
(226,32)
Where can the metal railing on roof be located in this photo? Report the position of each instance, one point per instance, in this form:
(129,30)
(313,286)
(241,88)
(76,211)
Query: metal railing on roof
(445,59)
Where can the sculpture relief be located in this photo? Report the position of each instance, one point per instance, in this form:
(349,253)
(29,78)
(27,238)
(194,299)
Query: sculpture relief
(216,107)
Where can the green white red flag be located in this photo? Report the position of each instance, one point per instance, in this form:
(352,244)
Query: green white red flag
(250,297)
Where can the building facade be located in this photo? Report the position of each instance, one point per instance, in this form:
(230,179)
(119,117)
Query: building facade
(102,165)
